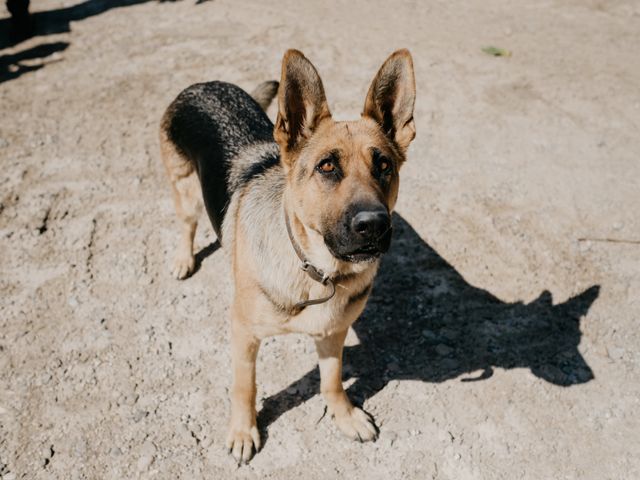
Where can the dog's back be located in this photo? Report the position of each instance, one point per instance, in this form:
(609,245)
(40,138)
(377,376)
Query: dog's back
(205,128)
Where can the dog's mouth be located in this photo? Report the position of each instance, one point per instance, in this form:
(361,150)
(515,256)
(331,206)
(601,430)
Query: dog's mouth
(368,253)
(363,253)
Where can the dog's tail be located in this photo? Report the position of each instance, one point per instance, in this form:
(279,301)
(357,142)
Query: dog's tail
(265,93)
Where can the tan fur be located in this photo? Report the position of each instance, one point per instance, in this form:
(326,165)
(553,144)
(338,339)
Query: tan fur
(187,199)
(267,276)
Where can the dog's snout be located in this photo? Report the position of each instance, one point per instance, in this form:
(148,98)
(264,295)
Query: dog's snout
(370,224)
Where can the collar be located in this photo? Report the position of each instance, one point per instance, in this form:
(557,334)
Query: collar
(314,272)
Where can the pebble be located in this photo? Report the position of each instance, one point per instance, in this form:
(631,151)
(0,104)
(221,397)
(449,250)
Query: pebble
(430,336)
(9,476)
(449,333)
(207,442)
(616,353)
(147,455)
(443,350)
(47,452)
(139,415)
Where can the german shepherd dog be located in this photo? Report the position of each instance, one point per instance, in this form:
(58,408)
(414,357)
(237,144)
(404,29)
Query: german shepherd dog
(303,208)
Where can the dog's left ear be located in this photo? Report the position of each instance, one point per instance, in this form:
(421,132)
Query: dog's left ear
(302,104)
(391,97)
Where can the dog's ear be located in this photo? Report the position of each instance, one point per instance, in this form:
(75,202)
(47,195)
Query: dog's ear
(302,104)
(391,97)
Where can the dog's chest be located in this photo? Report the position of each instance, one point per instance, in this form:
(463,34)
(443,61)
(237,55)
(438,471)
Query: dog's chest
(334,315)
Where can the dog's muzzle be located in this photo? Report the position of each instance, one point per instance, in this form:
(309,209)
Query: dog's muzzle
(364,235)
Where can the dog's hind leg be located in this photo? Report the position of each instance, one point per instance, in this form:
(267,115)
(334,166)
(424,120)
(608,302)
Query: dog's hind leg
(187,198)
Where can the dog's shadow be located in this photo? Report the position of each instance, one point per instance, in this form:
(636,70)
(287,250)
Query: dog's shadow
(423,321)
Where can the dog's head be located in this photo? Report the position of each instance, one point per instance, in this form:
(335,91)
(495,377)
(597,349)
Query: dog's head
(342,177)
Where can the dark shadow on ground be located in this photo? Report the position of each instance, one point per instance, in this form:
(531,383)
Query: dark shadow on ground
(424,321)
(58,21)
(11,66)
(50,22)
(204,253)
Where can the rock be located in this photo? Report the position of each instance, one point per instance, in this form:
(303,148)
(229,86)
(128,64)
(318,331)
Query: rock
(443,350)
(139,415)
(147,455)
(393,366)
(430,336)
(616,353)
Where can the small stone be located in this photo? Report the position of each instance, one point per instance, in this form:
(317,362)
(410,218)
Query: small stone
(207,442)
(430,336)
(449,333)
(147,454)
(585,246)
(144,462)
(443,350)
(116,452)
(47,452)
(9,476)
(292,390)
(616,353)
(449,364)
(139,415)
(73,302)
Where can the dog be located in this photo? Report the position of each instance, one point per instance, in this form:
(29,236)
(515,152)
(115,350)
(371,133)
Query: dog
(302,206)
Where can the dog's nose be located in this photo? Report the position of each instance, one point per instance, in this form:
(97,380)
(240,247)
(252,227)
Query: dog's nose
(370,224)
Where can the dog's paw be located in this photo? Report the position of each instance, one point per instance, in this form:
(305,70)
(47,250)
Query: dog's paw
(357,425)
(183,266)
(243,443)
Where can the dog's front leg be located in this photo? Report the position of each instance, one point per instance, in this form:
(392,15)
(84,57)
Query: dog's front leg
(352,421)
(243,435)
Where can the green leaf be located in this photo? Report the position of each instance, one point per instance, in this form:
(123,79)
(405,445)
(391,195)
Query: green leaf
(496,52)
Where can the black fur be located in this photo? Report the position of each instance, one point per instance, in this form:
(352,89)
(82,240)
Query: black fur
(210,124)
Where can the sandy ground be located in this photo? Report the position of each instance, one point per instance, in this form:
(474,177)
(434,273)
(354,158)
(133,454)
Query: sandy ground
(497,344)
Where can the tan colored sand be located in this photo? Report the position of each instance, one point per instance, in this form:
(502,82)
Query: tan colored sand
(110,369)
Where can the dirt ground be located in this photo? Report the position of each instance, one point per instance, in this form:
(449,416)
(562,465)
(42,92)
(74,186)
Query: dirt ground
(501,339)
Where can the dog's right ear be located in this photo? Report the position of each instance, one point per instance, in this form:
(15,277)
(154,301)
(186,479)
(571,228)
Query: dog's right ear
(302,104)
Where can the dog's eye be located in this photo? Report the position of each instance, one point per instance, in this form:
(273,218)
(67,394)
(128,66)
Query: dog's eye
(384,165)
(326,166)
